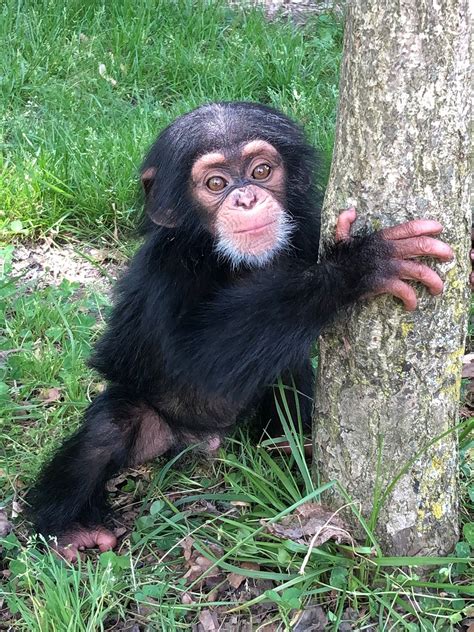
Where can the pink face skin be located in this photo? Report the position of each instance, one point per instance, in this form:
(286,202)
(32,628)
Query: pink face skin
(250,222)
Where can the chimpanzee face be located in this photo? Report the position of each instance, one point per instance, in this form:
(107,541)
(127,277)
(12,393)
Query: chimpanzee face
(241,172)
(241,193)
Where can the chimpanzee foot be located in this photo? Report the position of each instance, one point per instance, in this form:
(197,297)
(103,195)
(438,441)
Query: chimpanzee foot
(79,538)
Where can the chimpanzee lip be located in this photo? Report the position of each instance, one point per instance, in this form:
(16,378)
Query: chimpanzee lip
(253,229)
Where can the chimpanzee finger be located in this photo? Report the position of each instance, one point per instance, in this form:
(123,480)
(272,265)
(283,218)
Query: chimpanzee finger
(415,228)
(69,544)
(401,290)
(105,539)
(419,272)
(422,247)
(69,553)
(344,223)
(471,280)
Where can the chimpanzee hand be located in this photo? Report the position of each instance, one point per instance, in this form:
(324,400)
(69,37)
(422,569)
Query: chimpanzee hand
(408,240)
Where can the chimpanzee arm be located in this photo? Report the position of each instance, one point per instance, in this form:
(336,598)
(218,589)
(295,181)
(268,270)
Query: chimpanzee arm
(251,332)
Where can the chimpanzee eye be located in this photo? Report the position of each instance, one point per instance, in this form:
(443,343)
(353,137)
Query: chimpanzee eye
(261,171)
(216,183)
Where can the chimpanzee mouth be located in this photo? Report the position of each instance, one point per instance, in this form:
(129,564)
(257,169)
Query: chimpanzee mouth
(254,229)
(257,246)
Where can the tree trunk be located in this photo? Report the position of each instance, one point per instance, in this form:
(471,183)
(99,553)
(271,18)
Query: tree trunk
(389,380)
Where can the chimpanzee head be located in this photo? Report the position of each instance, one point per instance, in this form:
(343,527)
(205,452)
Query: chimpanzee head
(240,171)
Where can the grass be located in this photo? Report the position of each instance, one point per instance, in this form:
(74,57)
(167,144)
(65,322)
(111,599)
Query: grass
(45,386)
(85,86)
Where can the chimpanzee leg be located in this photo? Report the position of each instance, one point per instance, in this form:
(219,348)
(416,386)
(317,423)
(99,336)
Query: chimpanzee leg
(69,498)
(300,400)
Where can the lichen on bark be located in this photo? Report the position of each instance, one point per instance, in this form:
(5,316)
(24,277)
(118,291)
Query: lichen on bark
(389,380)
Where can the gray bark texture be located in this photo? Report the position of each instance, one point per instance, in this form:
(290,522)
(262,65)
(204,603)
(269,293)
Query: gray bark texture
(389,380)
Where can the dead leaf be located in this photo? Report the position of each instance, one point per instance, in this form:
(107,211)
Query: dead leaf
(49,395)
(199,565)
(468,366)
(311,522)
(187,546)
(4,355)
(311,619)
(129,625)
(17,509)
(102,255)
(209,621)
(5,524)
(235,579)
(114,484)
(212,596)
(120,531)
(186,599)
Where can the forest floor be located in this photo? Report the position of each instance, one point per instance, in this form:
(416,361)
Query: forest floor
(204,546)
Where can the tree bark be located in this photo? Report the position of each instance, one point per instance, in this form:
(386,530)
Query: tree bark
(389,380)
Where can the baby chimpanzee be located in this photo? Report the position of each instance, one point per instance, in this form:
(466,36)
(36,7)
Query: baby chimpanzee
(225,295)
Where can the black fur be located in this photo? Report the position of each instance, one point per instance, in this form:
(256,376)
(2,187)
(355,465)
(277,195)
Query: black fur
(191,339)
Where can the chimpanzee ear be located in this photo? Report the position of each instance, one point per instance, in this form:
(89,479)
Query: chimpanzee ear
(161,217)
(148,178)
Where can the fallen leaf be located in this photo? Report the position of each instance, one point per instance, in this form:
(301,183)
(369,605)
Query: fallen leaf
(128,626)
(17,509)
(209,621)
(468,365)
(311,522)
(120,531)
(114,484)
(235,579)
(102,255)
(4,355)
(186,599)
(311,619)
(198,564)
(5,524)
(212,596)
(49,395)
(187,546)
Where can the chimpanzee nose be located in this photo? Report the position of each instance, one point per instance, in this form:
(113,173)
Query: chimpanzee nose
(244,198)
